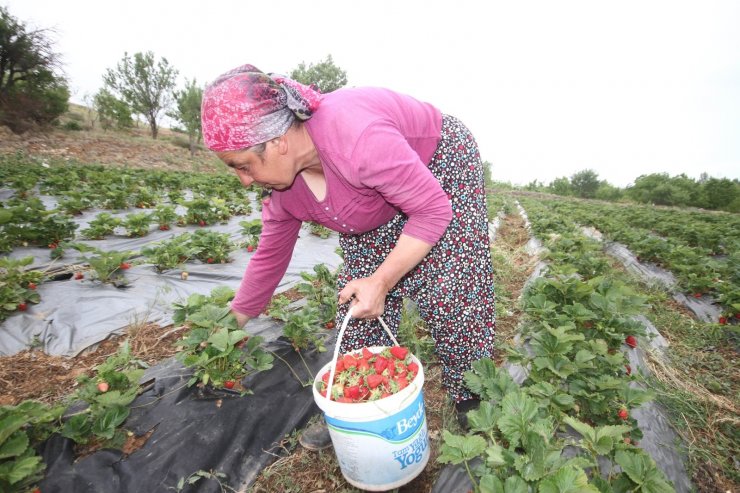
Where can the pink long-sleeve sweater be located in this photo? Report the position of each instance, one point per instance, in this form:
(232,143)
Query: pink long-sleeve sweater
(374,145)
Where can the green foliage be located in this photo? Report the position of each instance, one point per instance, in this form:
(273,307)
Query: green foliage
(324,75)
(211,247)
(144,84)
(108,266)
(30,92)
(137,224)
(108,407)
(103,225)
(187,111)
(319,230)
(170,254)
(215,347)
(17,284)
(560,186)
(585,183)
(22,428)
(112,112)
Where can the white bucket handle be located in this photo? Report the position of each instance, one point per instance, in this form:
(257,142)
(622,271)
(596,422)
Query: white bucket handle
(333,368)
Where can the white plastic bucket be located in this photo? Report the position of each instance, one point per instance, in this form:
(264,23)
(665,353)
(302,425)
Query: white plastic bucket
(382,444)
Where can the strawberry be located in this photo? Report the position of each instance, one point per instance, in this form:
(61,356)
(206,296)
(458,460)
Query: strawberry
(367,354)
(329,325)
(722,320)
(53,245)
(22,306)
(229,384)
(363,366)
(124,266)
(353,392)
(401,382)
(250,248)
(79,275)
(364,392)
(201,223)
(631,341)
(325,377)
(399,352)
(380,364)
(164,227)
(623,414)
(340,366)
(209,260)
(629,369)
(31,285)
(697,295)
(413,368)
(103,386)
(373,380)
(349,361)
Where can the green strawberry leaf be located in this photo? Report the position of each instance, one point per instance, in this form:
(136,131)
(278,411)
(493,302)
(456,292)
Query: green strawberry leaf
(518,412)
(457,449)
(567,480)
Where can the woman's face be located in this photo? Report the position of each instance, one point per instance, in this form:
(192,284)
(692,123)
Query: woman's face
(272,169)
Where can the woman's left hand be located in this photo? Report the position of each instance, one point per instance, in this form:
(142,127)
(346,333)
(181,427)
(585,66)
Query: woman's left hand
(369,297)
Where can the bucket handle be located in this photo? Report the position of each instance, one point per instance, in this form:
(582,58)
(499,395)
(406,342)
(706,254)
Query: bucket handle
(333,368)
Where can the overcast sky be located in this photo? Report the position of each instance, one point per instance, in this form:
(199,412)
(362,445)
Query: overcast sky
(548,87)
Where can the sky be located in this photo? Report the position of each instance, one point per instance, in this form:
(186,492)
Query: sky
(548,87)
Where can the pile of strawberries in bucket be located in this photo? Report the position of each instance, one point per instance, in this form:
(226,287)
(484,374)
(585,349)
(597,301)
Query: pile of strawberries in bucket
(363,375)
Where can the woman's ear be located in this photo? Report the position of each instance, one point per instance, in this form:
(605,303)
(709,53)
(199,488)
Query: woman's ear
(282,143)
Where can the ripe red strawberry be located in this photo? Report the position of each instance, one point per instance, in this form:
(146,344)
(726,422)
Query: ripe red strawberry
(380,364)
(349,361)
(374,380)
(329,325)
(250,248)
(722,320)
(201,223)
(631,341)
(353,392)
(31,285)
(36,490)
(22,306)
(125,266)
(164,227)
(209,260)
(413,368)
(399,352)
(103,386)
(367,354)
(363,366)
(623,414)
(402,382)
(53,245)
(79,275)
(229,384)
(629,369)
(697,295)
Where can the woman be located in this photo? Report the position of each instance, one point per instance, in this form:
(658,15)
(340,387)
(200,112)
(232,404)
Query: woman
(401,183)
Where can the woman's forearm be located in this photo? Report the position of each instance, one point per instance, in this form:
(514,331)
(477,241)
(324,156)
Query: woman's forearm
(241,318)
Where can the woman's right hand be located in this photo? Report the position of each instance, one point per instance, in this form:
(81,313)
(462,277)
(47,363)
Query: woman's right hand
(241,318)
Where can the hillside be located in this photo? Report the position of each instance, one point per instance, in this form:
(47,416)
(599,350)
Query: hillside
(91,144)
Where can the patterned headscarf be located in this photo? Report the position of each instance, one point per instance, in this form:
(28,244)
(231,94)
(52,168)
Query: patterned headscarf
(245,106)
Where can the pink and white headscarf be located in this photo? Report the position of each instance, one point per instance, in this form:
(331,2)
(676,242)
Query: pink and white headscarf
(245,107)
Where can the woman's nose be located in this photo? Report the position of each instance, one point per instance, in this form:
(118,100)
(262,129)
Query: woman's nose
(244,178)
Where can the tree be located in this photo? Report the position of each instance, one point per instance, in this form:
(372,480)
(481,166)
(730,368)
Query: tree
(585,183)
(188,103)
(111,111)
(326,76)
(560,186)
(144,85)
(30,90)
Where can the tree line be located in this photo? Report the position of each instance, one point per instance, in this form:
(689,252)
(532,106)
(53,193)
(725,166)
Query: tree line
(655,188)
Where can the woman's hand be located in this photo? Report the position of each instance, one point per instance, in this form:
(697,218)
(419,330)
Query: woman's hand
(367,296)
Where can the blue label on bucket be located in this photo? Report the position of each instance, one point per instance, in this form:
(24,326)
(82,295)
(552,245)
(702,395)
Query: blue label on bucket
(394,429)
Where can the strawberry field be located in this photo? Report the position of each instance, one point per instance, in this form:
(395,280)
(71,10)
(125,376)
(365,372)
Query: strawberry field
(606,377)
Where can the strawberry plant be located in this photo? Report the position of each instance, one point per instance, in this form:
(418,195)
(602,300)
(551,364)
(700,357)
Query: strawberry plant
(22,429)
(106,265)
(164,216)
(217,350)
(204,211)
(320,290)
(169,254)
(137,224)
(319,230)
(108,395)
(211,247)
(302,327)
(103,225)
(74,202)
(17,285)
(144,197)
